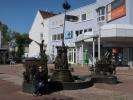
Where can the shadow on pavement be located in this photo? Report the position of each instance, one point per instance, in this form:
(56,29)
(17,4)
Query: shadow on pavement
(53,87)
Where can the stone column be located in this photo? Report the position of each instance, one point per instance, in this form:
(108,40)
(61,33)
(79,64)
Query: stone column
(82,50)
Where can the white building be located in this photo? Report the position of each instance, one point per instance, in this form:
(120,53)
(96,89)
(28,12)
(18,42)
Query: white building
(39,32)
(103,25)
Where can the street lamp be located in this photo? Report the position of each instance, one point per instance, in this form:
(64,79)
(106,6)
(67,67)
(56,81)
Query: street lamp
(66,6)
(61,72)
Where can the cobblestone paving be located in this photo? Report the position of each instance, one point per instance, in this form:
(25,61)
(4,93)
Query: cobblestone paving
(11,81)
(94,93)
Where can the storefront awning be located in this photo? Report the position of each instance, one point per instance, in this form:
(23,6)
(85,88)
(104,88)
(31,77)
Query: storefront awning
(87,37)
(117,30)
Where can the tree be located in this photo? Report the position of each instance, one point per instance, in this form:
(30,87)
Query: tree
(21,41)
(5,33)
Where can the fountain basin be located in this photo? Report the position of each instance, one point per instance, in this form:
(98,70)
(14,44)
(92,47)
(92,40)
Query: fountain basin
(78,83)
(104,79)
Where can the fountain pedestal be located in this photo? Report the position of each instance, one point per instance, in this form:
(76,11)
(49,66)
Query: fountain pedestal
(61,72)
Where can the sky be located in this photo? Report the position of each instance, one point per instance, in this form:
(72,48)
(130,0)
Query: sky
(19,15)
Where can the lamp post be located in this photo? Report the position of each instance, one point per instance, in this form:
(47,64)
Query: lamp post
(66,6)
(61,72)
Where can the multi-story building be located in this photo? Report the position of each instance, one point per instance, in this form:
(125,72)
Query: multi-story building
(72,31)
(103,25)
(38,32)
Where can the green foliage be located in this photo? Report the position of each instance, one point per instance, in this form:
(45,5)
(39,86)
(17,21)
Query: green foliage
(5,33)
(21,39)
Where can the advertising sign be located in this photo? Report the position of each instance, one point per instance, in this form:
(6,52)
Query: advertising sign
(115,10)
(68,35)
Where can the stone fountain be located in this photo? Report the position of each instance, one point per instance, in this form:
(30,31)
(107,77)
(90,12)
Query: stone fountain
(104,70)
(62,77)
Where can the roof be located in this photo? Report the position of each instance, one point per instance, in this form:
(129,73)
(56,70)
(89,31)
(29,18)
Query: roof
(46,14)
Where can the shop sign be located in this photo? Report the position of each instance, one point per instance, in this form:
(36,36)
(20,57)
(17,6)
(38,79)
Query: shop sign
(115,10)
(68,35)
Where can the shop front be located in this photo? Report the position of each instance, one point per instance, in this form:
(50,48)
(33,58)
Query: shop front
(120,55)
(119,39)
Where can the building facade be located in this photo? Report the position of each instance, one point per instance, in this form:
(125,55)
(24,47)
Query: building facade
(72,31)
(38,32)
(103,25)
(116,30)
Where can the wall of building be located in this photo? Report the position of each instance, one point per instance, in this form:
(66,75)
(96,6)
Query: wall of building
(56,26)
(0,39)
(130,7)
(123,34)
(38,32)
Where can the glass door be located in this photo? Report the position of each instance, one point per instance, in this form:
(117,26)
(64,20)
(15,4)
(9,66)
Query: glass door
(71,55)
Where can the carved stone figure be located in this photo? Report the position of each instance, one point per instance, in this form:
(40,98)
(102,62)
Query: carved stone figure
(41,45)
(58,59)
(105,66)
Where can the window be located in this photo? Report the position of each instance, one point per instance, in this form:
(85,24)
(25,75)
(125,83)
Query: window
(83,16)
(102,11)
(62,36)
(85,30)
(77,33)
(101,14)
(81,31)
(57,36)
(61,22)
(102,17)
(88,30)
(53,37)
(41,36)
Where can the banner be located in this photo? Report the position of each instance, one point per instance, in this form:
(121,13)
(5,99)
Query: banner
(68,35)
(115,10)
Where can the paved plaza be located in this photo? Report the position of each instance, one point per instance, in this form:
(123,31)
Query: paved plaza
(11,86)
